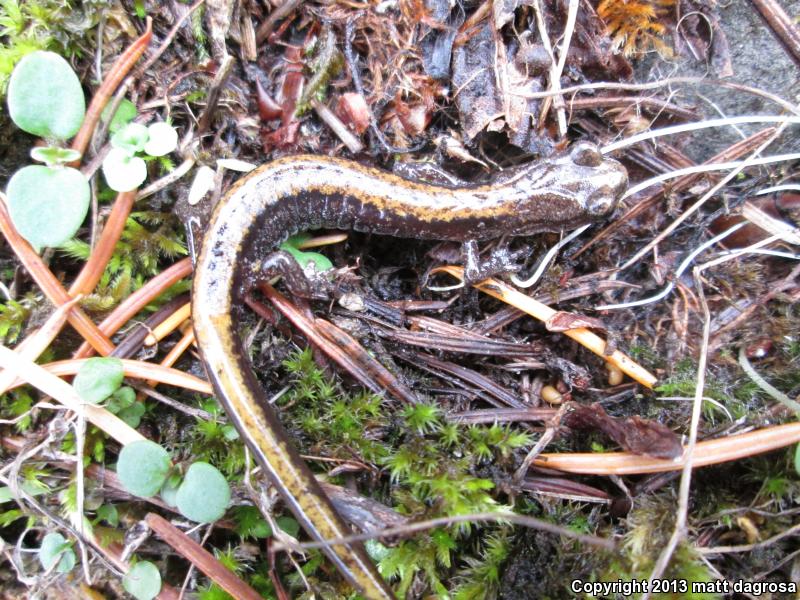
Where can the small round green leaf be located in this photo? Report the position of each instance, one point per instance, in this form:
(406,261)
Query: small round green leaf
(123,398)
(98,378)
(204,494)
(48,204)
(142,581)
(132,415)
(126,112)
(143,467)
(229,433)
(55,548)
(45,97)
(122,171)
(131,138)
(163,139)
(169,491)
(53,155)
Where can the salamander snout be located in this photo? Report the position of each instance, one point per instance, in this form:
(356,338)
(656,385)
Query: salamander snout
(611,185)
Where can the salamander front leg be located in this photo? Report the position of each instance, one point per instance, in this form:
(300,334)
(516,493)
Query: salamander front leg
(282,264)
(501,260)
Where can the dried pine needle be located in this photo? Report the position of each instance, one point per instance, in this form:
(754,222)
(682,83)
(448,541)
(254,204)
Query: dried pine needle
(543,312)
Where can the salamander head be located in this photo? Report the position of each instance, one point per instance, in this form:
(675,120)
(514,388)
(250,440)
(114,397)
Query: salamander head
(601,181)
(567,191)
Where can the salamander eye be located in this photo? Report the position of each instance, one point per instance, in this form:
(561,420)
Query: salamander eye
(585,154)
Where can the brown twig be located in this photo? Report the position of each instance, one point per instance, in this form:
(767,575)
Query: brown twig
(499,395)
(707,452)
(38,341)
(568,489)
(167,180)
(176,352)
(523,520)
(213,94)
(794,530)
(653,104)
(430,333)
(114,77)
(371,367)
(782,25)
(138,300)
(551,428)
(337,126)
(201,558)
(500,415)
(156,54)
(135,336)
(466,30)
(284,10)
(320,339)
(543,312)
(145,389)
(133,368)
(92,271)
(48,283)
(168,325)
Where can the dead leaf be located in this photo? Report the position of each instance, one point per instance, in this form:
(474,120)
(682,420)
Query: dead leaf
(634,434)
(564,321)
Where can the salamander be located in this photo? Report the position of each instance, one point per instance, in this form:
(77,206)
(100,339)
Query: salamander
(300,193)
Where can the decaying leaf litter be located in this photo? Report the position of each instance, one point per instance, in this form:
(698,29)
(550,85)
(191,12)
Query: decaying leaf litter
(477,391)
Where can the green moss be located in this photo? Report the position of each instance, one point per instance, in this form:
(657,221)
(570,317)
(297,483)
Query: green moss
(12,317)
(94,445)
(431,465)
(199,33)
(650,526)
(216,442)
(647,356)
(480,577)
(17,403)
(343,426)
(774,478)
(148,239)
(486,443)
(423,418)
(683,381)
(328,62)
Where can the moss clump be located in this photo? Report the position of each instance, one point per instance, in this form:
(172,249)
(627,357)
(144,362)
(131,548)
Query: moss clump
(649,527)
(147,239)
(432,466)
